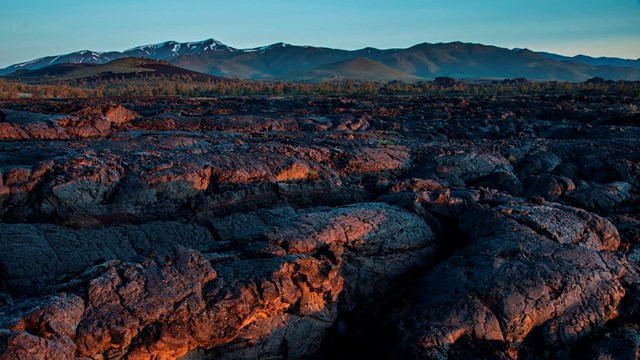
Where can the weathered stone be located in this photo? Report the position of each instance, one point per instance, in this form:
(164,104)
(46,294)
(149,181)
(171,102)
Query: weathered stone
(602,197)
(328,227)
(35,257)
(517,275)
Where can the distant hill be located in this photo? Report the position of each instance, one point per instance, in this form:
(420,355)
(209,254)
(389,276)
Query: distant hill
(282,61)
(595,61)
(352,69)
(127,68)
(268,62)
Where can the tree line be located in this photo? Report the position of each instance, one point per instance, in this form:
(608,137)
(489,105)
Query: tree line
(188,86)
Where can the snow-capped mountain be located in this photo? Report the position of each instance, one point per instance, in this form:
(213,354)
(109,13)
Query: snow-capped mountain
(78,57)
(261,49)
(282,61)
(162,51)
(171,49)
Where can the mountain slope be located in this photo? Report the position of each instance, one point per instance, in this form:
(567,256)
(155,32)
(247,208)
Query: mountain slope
(127,68)
(171,49)
(263,63)
(80,57)
(307,63)
(460,60)
(595,61)
(423,61)
(353,69)
(161,51)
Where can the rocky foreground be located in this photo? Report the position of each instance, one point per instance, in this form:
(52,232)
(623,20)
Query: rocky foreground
(383,227)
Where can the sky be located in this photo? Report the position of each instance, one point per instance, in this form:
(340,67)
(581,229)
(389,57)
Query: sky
(35,28)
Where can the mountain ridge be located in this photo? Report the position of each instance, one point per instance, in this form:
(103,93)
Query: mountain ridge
(124,68)
(424,61)
(592,60)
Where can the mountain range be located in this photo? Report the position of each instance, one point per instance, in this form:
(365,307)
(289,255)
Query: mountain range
(129,68)
(287,62)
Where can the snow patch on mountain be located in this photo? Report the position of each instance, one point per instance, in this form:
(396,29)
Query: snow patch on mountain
(267,47)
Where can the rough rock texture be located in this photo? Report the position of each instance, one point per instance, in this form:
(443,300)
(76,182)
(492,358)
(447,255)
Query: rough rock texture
(383,227)
(523,270)
(56,253)
(288,271)
(87,122)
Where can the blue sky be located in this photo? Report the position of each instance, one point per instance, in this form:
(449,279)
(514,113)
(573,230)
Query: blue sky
(36,28)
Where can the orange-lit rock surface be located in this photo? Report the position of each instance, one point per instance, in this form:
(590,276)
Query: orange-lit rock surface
(395,227)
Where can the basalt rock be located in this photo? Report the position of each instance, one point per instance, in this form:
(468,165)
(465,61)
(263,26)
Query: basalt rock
(523,272)
(431,226)
(550,187)
(293,269)
(36,257)
(603,196)
(88,122)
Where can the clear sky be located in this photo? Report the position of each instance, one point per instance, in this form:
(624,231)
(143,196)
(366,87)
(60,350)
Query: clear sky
(36,28)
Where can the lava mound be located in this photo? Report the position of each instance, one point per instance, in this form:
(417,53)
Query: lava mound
(427,227)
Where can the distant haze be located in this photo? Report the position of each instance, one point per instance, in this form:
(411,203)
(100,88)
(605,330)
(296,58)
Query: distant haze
(35,28)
